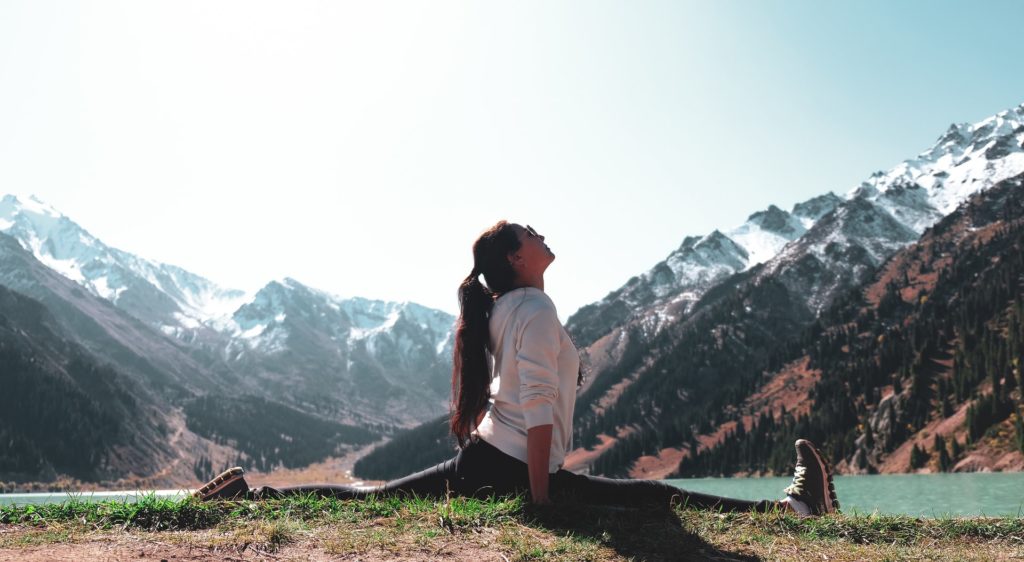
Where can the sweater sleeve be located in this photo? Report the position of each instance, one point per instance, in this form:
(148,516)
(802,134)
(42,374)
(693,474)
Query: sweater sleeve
(537,362)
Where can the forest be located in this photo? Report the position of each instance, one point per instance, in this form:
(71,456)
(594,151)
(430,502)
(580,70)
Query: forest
(930,350)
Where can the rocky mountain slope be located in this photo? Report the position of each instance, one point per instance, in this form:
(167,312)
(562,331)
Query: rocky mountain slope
(64,412)
(356,360)
(701,262)
(919,369)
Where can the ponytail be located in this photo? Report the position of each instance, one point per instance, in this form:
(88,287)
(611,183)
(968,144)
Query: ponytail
(471,374)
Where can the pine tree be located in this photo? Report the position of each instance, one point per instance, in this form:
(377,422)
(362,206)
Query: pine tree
(940,448)
(918,457)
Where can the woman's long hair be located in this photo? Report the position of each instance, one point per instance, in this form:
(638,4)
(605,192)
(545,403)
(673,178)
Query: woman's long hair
(471,375)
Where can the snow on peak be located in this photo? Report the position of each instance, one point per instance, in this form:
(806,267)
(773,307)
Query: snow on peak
(373,317)
(883,213)
(11,204)
(816,207)
(765,233)
(61,244)
(284,306)
(964,160)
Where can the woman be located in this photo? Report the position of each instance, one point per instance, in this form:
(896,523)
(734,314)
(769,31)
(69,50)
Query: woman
(513,390)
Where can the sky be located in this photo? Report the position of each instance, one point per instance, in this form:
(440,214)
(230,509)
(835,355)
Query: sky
(360,147)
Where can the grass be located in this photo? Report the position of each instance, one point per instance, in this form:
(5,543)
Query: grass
(510,528)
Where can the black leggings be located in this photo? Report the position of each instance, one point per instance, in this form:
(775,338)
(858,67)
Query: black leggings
(481,470)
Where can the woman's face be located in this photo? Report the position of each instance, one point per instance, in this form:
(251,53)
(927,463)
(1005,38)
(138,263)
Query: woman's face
(533,255)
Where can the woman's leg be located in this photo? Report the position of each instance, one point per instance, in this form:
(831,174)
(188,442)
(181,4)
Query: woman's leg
(431,482)
(479,470)
(636,493)
(812,491)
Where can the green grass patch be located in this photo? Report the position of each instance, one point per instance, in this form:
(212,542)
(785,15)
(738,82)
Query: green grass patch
(889,529)
(152,513)
(433,527)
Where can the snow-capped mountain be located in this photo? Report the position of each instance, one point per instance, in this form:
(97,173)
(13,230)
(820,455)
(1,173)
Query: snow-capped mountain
(309,362)
(700,263)
(965,160)
(266,322)
(160,364)
(165,296)
(892,209)
(366,360)
(882,214)
(838,251)
(356,359)
(715,340)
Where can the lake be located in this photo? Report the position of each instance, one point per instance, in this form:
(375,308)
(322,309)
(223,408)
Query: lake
(925,495)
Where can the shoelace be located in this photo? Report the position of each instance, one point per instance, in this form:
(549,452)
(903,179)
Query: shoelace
(797,487)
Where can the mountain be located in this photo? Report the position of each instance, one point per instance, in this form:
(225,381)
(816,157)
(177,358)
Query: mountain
(919,369)
(97,395)
(349,359)
(62,410)
(163,296)
(287,374)
(353,359)
(758,316)
(163,365)
(700,262)
(677,351)
(914,194)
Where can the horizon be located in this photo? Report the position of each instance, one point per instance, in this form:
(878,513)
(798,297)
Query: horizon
(345,145)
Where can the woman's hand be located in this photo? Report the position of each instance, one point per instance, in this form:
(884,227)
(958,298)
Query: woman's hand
(538,452)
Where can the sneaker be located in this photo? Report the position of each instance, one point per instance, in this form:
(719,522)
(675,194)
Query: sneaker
(227,485)
(812,487)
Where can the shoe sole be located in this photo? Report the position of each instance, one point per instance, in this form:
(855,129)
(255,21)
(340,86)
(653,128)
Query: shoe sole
(829,491)
(219,483)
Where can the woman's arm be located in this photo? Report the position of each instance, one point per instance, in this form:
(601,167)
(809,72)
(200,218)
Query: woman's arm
(538,452)
(537,362)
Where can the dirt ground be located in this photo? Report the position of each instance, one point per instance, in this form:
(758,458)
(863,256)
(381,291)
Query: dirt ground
(146,551)
(483,547)
(208,546)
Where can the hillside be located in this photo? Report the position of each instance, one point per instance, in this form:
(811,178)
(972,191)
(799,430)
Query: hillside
(667,382)
(61,410)
(919,369)
(95,395)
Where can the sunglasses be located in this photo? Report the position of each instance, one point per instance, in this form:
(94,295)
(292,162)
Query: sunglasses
(532,232)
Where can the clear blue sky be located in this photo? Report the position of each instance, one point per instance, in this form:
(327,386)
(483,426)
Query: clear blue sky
(359,147)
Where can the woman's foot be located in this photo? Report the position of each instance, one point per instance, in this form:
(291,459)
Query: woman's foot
(227,485)
(812,491)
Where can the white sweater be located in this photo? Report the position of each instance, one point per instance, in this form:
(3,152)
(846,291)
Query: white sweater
(534,372)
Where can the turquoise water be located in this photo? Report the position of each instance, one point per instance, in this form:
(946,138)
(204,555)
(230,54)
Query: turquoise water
(925,495)
(128,496)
